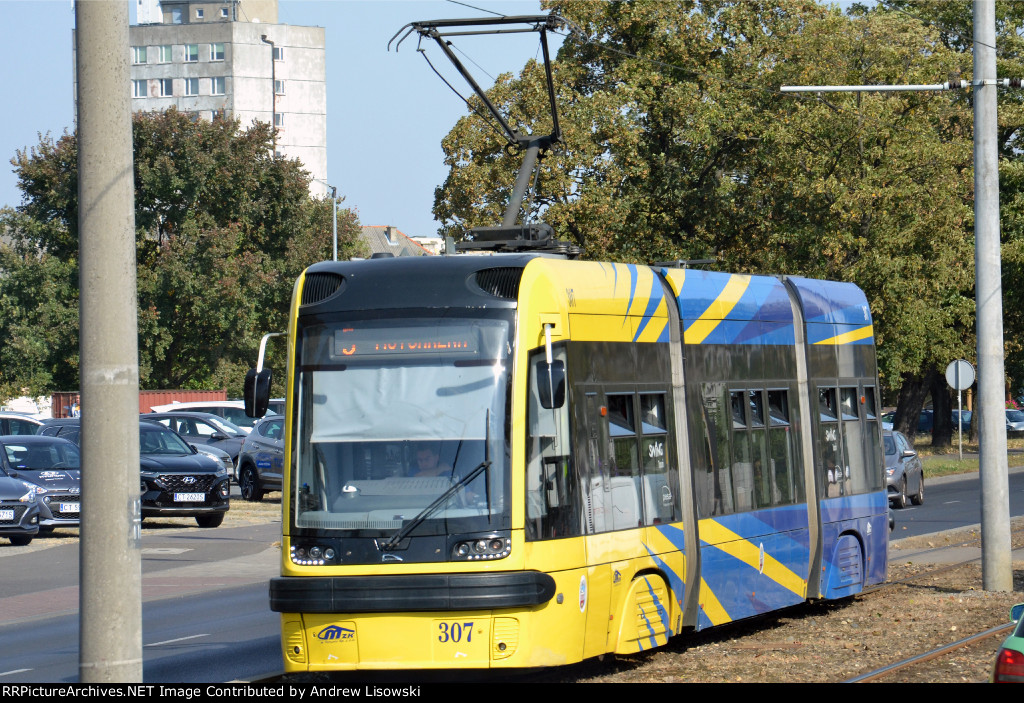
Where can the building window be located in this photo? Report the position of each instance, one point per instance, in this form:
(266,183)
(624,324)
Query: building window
(199,13)
(224,12)
(191,86)
(217,51)
(217,85)
(191,52)
(278,119)
(139,89)
(165,53)
(279,87)
(176,15)
(166,87)
(278,53)
(138,54)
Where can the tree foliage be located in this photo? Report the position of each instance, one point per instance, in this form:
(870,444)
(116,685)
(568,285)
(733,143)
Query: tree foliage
(678,144)
(223,227)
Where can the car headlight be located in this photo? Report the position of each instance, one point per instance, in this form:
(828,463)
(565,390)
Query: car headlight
(29,497)
(34,488)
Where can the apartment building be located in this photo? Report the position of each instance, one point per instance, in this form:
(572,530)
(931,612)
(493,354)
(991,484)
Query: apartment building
(234,58)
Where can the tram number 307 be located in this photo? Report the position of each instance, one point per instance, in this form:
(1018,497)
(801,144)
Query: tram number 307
(455,631)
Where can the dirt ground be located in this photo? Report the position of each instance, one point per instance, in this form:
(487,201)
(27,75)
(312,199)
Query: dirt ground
(833,642)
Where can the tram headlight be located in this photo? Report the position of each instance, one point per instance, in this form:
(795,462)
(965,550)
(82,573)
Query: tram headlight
(313,554)
(482,548)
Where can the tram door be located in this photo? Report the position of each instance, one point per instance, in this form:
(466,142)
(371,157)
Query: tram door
(596,587)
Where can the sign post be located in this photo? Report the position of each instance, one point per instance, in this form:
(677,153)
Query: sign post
(960,377)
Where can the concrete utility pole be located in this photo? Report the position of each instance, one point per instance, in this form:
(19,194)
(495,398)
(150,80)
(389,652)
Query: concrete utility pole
(110,638)
(996,548)
(996,559)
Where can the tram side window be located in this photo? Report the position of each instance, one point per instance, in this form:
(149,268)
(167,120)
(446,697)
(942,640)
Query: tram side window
(863,473)
(742,463)
(552,500)
(832,472)
(753,455)
(714,487)
(874,437)
(624,472)
(660,473)
(853,442)
(788,488)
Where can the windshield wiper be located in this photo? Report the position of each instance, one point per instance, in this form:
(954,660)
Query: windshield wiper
(443,498)
(432,508)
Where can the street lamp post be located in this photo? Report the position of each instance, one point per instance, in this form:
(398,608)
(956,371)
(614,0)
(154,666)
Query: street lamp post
(273,89)
(334,222)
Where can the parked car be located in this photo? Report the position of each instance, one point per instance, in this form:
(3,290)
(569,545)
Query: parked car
(19,511)
(1014,421)
(53,467)
(231,410)
(16,423)
(218,455)
(203,428)
(176,480)
(967,415)
(1009,664)
(68,428)
(904,473)
(261,461)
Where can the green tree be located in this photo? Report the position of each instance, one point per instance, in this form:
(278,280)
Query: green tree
(223,229)
(679,145)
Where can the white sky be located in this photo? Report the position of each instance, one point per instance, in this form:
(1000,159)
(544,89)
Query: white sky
(386,112)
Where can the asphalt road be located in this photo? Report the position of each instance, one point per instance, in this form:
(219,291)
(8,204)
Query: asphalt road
(205,594)
(953,502)
(205,608)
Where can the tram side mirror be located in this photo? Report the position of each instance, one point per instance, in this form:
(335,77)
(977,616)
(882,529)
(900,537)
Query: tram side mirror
(551,388)
(257,392)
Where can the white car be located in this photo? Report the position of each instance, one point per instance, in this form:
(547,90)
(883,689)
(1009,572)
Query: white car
(231,410)
(1014,421)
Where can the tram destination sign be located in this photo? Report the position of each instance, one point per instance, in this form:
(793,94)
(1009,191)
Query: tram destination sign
(354,342)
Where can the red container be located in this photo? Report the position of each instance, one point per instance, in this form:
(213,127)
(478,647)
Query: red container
(68,403)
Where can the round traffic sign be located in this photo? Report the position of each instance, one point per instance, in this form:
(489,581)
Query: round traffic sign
(960,375)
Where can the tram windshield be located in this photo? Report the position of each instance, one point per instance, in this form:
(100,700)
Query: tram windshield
(394,414)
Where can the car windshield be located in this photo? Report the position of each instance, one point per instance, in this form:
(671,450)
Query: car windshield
(394,413)
(228,428)
(40,456)
(157,439)
(1014,416)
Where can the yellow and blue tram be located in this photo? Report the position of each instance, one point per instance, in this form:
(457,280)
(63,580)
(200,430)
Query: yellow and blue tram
(521,461)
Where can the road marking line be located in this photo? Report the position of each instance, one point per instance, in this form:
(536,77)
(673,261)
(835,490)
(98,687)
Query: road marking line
(179,639)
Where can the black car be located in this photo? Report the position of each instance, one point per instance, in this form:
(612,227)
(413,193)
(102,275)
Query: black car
(261,461)
(67,428)
(19,511)
(53,466)
(203,428)
(176,480)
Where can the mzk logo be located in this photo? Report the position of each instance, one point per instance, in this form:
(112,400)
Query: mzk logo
(334,632)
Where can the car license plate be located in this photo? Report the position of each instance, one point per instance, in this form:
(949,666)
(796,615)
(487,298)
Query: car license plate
(6,514)
(189,497)
(69,507)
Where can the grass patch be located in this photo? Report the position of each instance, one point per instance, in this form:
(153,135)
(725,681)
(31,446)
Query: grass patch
(946,461)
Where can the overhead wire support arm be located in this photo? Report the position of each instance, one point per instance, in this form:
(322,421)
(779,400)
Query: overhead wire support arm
(531,145)
(949,85)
